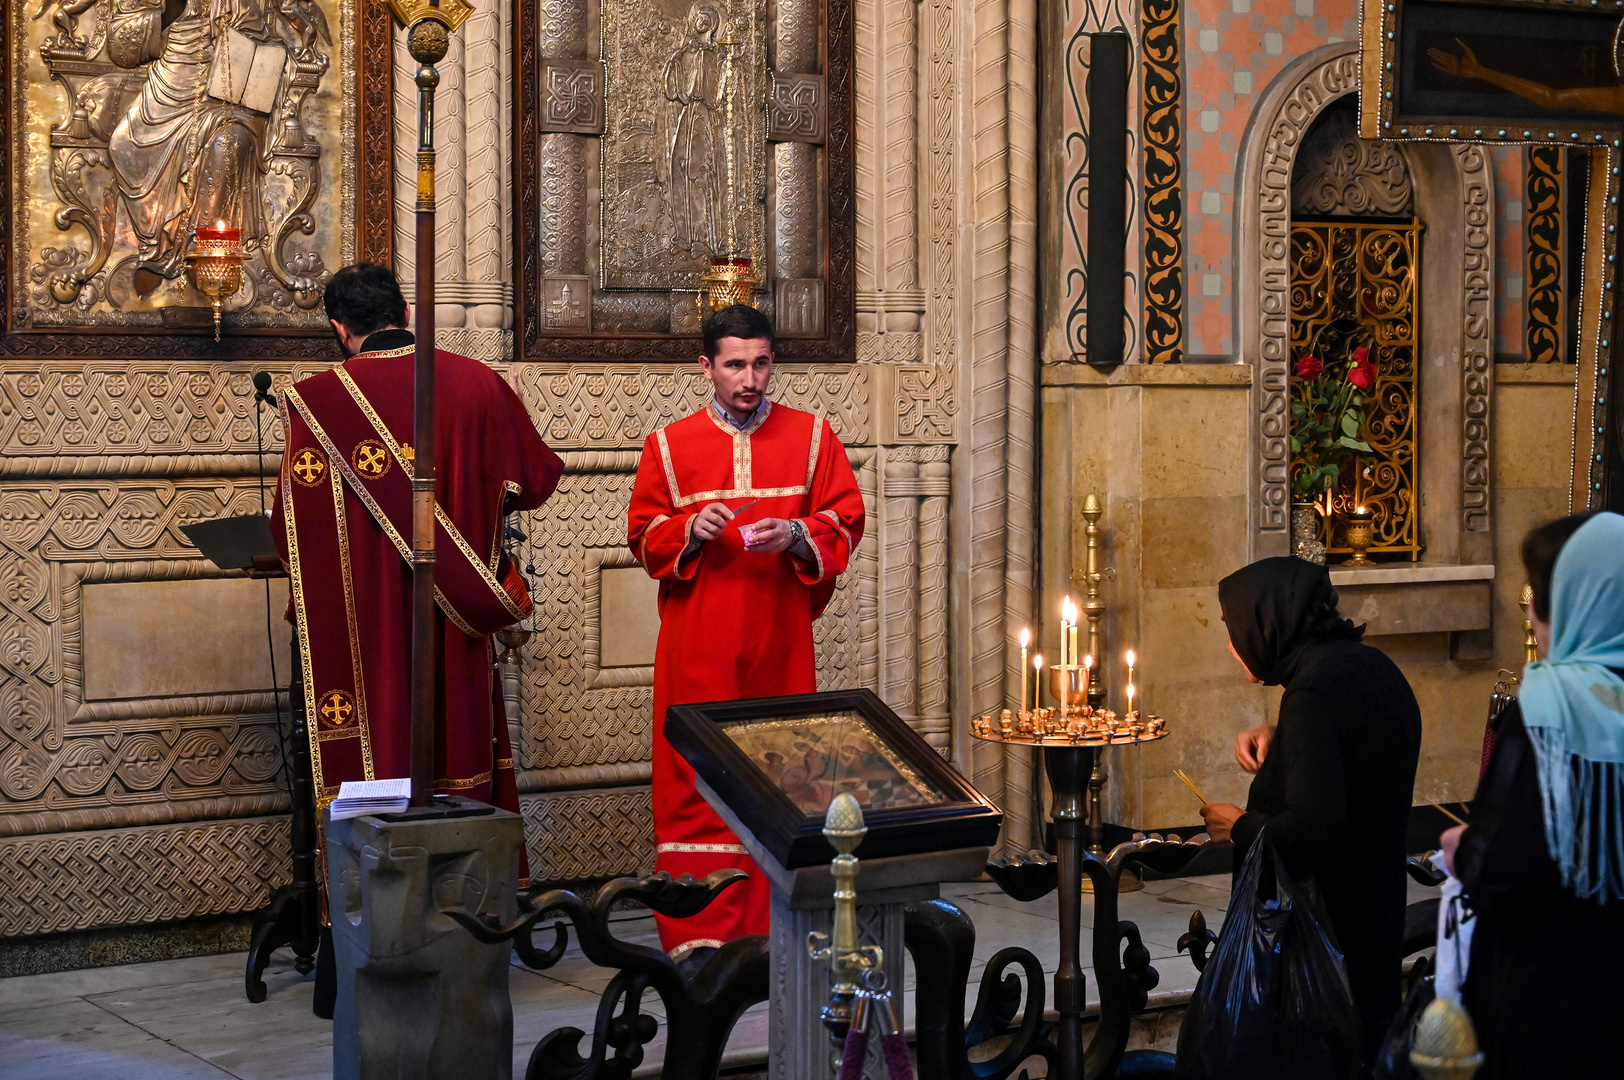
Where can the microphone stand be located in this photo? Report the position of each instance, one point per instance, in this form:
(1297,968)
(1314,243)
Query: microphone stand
(293,915)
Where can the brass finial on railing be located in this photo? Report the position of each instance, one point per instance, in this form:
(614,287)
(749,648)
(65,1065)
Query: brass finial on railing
(1530,642)
(843,827)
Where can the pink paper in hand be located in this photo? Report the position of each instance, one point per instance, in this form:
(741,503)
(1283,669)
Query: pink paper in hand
(747,533)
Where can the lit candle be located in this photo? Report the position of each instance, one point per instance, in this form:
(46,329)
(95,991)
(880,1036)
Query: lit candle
(220,233)
(1130,659)
(1067,613)
(1088,674)
(1037,683)
(1026,638)
(1074,637)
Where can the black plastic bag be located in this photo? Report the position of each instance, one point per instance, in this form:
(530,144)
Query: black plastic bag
(1393,1059)
(1274,1002)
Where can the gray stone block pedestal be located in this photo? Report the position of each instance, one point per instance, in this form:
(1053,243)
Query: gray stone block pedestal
(418,997)
(798,1045)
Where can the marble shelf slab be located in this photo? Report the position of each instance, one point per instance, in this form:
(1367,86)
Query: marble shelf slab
(1416,598)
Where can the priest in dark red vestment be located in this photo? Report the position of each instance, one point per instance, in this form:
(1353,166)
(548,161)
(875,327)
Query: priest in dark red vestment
(343,523)
(746,512)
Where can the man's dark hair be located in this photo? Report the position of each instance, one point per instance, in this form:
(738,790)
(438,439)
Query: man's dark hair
(1539,551)
(740,321)
(365,298)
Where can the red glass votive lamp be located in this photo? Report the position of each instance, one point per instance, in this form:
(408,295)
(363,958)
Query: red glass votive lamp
(216,259)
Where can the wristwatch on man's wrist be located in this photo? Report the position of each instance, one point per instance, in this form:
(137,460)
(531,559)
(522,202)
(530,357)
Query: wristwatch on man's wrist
(797,533)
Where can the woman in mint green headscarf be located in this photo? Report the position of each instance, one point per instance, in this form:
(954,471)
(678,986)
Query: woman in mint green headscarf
(1542,861)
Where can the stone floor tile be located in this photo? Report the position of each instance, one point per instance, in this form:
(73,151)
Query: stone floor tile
(74,1038)
(65,984)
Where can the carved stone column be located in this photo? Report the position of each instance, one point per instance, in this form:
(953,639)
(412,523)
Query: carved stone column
(900,572)
(473,291)
(890,301)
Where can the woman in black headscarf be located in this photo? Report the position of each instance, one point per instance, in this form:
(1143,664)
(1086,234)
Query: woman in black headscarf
(1335,777)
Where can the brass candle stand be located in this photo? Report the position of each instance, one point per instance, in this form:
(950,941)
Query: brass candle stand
(1094,607)
(1099,683)
(1072,746)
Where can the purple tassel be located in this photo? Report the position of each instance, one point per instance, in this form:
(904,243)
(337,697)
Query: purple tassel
(855,1055)
(897,1062)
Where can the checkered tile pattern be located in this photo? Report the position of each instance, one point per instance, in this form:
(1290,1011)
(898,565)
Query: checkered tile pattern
(1233,48)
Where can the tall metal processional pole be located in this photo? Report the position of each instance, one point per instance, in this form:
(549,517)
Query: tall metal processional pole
(429,25)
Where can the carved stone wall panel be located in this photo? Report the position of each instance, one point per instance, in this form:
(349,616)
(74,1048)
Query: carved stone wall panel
(589,834)
(913,599)
(927,404)
(569,721)
(580,407)
(64,760)
(1338,173)
(75,409)
(75,881)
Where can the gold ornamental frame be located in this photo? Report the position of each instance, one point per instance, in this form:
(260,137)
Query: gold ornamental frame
(362,44)
(1400,100)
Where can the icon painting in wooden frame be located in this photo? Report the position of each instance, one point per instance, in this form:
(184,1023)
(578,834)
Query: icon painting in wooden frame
(778,763)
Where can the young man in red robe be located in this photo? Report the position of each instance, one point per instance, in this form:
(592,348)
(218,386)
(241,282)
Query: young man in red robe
(343,523)
(745,512)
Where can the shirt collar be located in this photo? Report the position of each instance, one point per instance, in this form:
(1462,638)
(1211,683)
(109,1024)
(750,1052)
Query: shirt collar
(760,413)
(385,340)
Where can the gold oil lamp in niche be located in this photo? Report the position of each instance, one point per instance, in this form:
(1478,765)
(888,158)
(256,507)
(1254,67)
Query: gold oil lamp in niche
(215,260)
(1361,531)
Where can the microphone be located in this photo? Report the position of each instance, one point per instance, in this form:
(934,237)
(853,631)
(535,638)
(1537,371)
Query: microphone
(262,388)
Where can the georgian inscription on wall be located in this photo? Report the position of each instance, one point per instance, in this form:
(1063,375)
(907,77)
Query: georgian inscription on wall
(678,188)
(138,128)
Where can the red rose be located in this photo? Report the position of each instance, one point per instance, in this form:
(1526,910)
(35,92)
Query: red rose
(1361,372)
(1308,367)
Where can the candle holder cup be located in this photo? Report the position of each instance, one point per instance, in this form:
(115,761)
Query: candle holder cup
(1072,680)
(1361,530)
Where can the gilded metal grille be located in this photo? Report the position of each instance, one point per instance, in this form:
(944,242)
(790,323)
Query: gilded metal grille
(1354,283)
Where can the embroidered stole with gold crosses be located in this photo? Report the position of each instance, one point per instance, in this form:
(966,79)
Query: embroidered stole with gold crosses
(356,450)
